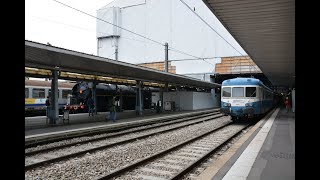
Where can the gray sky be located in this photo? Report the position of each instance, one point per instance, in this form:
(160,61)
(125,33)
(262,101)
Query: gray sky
(49,21)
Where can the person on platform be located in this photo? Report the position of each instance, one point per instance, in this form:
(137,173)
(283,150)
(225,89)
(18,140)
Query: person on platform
(47,106)
(113,110)
(287,104)
(90,104)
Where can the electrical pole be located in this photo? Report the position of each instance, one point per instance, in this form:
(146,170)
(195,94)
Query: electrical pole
(166,67)
(166,58)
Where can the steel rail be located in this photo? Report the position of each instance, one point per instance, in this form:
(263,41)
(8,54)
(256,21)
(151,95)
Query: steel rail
(41,163)
(116,134)
(34,143)
(153,157)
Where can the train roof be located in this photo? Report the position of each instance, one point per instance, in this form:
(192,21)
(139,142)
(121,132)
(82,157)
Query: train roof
(48,83)
(242,81)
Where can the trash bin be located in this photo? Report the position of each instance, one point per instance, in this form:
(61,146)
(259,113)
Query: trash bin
(65,116)
(47,114)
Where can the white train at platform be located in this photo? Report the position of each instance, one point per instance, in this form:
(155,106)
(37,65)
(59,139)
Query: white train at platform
(243,98)
(36,93)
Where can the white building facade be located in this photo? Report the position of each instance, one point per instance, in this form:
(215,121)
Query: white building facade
(164,21)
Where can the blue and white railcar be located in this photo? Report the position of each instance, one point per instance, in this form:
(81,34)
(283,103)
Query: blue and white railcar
(245,97)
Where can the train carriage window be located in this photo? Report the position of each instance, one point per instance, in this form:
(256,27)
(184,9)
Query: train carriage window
(251,91)
(49,92)
(65,93)
(26,92)
(226,92)
(237,92)
(38,93)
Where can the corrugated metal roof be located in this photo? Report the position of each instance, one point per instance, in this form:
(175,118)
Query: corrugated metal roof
(266,31)
(48,57)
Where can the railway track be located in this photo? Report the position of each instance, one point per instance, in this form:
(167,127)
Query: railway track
(31,142)
(88,139)
(175,162)
(44,156)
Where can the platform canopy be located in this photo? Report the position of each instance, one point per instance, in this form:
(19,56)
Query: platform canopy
(265,30)
(48,57)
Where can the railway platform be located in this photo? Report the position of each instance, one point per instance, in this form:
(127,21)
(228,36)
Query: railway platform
(267,152)
(39,122)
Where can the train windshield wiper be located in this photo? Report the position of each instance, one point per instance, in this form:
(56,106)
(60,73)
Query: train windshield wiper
(253,93)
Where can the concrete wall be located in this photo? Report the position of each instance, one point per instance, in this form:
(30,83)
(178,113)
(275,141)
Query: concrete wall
(186,100)
(202,100)
(210,78)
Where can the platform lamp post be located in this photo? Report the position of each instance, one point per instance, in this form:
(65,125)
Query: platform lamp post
(166,57)
(166,69)
(166,63)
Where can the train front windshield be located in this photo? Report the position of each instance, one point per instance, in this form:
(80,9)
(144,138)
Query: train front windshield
(251,91)
(226,92)
(239,92)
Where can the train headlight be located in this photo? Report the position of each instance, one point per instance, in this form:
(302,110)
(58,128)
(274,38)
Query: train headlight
(249,104)
(227,104)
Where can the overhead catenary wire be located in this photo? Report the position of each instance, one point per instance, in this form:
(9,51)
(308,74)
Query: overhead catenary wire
(191,59)
(109,23)
(86,29)
(178,51)
(209,26)
(213,30)
(175,50)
